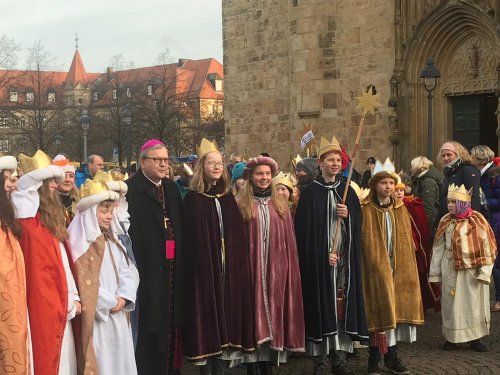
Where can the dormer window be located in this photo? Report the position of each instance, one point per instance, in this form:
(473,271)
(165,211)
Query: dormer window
(129,93)
(96,96)
(30,96)
(215,81)
(51,97)
(150,90)
(13,96)
(115,94)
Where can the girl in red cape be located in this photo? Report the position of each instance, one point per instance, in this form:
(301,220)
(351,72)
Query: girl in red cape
(51,291)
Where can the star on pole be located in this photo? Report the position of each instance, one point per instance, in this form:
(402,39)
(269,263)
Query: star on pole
(368,102)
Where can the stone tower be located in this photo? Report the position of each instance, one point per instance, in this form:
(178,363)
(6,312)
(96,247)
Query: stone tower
(290,61)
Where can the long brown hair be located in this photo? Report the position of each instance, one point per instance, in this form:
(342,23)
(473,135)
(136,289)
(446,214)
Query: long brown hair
(7,215)
(245,201)
(198,182)
(51,212)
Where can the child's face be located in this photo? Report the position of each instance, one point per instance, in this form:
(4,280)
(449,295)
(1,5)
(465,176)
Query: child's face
(282,191)
(452,206)
(399,193)
(105,215)
(385,187)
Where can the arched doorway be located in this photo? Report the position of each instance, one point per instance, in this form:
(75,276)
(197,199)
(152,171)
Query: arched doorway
(463,41)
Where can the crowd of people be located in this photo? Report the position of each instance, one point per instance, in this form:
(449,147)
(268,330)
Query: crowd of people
(240,263)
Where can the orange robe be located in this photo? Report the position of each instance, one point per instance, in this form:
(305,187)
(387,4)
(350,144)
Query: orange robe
(13,309)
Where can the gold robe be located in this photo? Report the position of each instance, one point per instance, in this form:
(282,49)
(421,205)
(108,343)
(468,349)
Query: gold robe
(391,296)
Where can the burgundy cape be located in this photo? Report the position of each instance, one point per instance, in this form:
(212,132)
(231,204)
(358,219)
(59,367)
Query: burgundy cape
(421,238)
(47,294)
(279,314)
(218,300)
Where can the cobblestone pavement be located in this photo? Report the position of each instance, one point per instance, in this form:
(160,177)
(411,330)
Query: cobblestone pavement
(422,358)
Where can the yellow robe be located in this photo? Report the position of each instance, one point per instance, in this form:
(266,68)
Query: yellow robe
(391,296)
(13,307)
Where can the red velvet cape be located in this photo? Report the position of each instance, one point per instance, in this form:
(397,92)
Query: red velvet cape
(421,239)
(218,302)
(47,294)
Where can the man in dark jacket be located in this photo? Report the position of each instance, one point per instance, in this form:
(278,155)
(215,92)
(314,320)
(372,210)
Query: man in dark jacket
(156,234)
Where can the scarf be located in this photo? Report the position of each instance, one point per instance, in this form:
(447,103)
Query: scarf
(473,242)
(451,168)
(262,193)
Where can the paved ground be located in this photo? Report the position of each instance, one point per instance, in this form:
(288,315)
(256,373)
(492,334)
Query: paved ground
(422,358)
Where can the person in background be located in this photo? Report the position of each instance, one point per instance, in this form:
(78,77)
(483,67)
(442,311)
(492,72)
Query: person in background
(370,163)
(427,184)
(237,180)
(306,171)
(68,193)
(482,159)
(94,163)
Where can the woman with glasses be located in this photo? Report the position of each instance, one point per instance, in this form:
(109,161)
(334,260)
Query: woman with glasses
(218,297)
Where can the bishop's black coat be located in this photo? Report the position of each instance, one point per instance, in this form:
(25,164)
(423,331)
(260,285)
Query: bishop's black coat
(313,247)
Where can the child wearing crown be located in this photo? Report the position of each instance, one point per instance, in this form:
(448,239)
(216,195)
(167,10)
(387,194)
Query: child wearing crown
(463,254)
(390,277)
(108,282)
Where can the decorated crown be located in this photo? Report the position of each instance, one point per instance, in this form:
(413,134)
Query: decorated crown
(295,160)
(283,179)
(459,193)
(91,187)
(362,193)
(205,147)
(113,181)
(116,175)
(326,146)
(388,167)
(38,161)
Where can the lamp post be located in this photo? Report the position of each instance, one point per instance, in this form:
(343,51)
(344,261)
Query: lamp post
(127,120)
(85,122)
(430,74)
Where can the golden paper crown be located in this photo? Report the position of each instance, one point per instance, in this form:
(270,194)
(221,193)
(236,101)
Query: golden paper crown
(117,175)
(295,160)
(362,193)
(205,147)
(283,179)
(459,193)
(326,146)
(102,177)
(91,187)
(38,161)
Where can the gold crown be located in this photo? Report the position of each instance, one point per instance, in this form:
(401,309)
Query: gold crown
(38,161)
(362,193)
(117,175)
(295,160)
(283,179)
(205,147)
(326,146)
(90,187)
(459,193)
(102,177)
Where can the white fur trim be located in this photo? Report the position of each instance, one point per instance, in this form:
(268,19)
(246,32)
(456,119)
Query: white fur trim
(40,175)
(95,199)
(8,163)
(118,186)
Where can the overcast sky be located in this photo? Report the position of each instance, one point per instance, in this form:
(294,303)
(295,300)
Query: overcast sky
(138,29)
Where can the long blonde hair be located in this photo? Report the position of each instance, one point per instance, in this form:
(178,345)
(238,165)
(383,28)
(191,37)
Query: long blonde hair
(198,182)
(460,150)
(245,201)
(51,212)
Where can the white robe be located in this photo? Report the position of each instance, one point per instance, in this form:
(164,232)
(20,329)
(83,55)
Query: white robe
(112,336)
(465,304)
(67,361)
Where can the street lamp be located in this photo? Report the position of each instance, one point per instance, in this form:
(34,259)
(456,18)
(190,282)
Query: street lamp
(127,120)
(430,74)
(85,122)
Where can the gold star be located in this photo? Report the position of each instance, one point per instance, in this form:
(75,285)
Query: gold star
(368,102)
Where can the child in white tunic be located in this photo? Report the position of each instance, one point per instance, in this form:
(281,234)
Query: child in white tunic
(108,281)
(462,260)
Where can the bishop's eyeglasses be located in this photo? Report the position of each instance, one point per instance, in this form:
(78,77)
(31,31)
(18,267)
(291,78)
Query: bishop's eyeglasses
(158,161)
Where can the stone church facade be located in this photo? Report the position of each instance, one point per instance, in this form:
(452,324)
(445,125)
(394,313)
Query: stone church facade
(290,62)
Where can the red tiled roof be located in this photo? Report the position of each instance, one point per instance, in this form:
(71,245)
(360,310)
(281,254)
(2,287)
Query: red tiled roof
(77,71)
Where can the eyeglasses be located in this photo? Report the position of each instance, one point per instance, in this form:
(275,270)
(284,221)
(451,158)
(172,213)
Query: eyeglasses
(158,161)
(213,164)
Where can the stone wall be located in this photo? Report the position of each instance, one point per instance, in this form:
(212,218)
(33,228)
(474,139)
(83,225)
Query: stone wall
(286,64)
